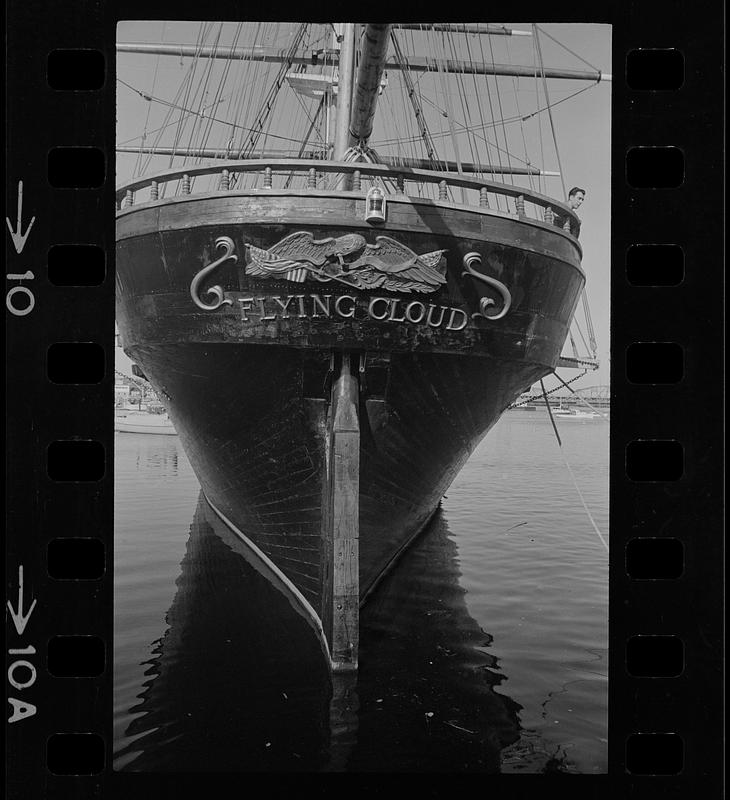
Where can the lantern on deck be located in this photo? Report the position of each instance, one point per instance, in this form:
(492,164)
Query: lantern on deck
(375,205)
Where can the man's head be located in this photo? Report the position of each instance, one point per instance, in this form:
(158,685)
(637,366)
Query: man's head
(576,196)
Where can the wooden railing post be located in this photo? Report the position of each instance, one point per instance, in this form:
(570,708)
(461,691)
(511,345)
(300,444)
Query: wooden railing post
(520,205)
(443,190)
(483,197)
(186,184)
(548,216)
(268,178)
(356,180)
(225,181)
(154,191)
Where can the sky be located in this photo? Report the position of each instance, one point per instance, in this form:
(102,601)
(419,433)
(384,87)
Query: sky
(582,127)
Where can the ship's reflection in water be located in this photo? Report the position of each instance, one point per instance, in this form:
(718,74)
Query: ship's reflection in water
(238,682)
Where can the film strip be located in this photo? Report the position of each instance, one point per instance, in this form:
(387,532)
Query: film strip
(666,561)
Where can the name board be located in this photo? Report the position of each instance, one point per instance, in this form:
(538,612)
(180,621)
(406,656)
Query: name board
(266,308)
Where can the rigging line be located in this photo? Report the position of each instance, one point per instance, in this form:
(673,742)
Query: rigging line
(552,105)
(477,94)
(589,322)
(491,112)
(138,161)
(515,84)
(450,119)
(438,83)
(205,138)
(471,137)
(550,413)
(416,146)
(162,127)
(572,52)
(136,91)
(190,112)
(305,140)
(245,90)
(491,109)
(226,73)
(311,119)
(199,125)
(537,101)
(152,98)
(532,397)
(200,93)
(234,98)
(273,92)
(496,146)
(466,113)
(572,344)
(202,127)
(501,112)
(550,113)
(583,338)
(222,80)
(570,470)
(414,99)
(266,100)
(178,94)
(450,116)
(188,87)
(507,120)
(181,94)
(250,76)
(166,120)
(237,38)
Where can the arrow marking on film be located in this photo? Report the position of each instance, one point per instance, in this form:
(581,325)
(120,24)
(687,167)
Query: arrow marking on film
(20,620)
(19,238)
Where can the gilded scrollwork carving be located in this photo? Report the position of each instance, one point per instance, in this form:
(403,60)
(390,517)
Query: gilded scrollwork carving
(485,303)
(226,243)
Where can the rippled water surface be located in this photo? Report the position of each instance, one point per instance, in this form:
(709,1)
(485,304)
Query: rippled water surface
(484,650)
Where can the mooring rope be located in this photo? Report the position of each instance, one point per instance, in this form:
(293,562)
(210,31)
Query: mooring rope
(570,470)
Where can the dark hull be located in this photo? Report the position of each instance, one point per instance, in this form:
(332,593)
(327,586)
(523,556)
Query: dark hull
(249,389)
(259,447)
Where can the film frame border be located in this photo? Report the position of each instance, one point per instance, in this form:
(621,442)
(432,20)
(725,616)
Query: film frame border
(40,412)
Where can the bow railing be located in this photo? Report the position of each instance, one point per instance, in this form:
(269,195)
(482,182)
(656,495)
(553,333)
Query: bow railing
(327,176)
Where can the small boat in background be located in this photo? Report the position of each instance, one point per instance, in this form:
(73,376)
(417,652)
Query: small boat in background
(128,420)
(575,414)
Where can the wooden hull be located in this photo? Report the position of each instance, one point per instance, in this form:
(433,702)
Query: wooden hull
(248,383)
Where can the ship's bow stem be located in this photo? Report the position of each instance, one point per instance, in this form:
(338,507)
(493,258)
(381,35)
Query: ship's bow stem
(341,593)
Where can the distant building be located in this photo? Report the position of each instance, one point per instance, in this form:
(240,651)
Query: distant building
(121,393)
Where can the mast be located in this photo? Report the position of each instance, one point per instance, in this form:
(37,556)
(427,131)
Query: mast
(344,91)
(369,74)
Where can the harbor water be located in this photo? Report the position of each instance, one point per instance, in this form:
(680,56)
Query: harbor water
(484,650)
